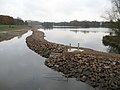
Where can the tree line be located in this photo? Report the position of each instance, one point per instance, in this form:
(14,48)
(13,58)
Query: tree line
(85,24)
(75,23)
(113,19)
(8,20)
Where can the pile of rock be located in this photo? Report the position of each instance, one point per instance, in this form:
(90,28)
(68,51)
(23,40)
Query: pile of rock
(95,68)
(43,47)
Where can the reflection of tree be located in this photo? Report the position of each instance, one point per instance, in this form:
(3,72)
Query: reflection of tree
(113,50)
(76,31)
(113,41)
(116,32)
(48,29)
(83,31)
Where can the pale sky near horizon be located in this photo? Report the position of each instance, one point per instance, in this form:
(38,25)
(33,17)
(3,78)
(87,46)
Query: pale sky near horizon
(55,10)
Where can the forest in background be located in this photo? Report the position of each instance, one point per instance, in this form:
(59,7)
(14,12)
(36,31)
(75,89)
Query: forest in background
(8,20)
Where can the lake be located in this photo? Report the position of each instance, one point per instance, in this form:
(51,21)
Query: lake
(87,37)
(23,69)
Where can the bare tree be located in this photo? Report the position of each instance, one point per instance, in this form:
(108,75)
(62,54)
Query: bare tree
(115,11)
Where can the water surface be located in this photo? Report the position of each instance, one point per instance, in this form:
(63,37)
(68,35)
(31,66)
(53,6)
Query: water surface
(87,37)
(23,69)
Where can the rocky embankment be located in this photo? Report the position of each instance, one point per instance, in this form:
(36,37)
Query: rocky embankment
(92,67)
(98,71)
(43,47)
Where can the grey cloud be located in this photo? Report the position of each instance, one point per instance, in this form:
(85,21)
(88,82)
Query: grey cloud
(54,10)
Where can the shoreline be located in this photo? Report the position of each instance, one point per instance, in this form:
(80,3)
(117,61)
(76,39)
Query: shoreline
(113,41)
(98,69)
(13,27)
(9,34)
(41,46)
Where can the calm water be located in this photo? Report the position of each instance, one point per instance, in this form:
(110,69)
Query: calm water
(23,69)
(87,37)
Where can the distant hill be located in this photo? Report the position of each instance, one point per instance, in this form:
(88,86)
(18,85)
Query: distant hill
(30,22)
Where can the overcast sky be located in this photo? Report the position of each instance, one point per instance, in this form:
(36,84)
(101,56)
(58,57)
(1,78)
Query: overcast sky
(55,10)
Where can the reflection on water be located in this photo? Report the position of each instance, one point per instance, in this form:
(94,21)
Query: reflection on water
(93,30)
(76,31)
(23,69)
(112,49)
(87,37)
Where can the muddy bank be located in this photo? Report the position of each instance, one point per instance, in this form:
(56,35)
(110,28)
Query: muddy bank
(7,35)
(98,69)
